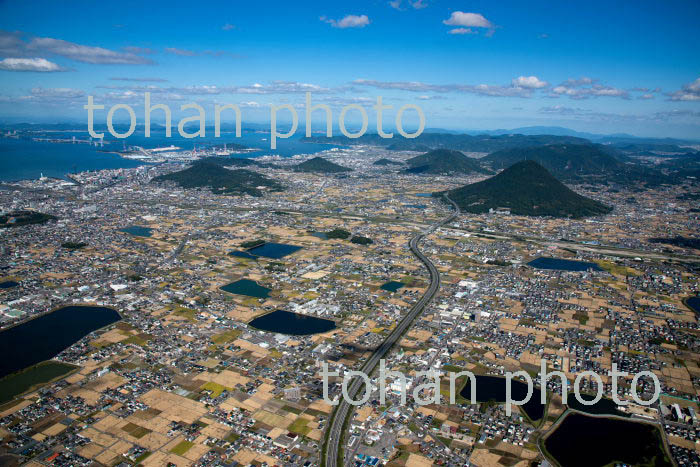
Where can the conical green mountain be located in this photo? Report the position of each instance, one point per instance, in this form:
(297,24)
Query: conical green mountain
(528,189)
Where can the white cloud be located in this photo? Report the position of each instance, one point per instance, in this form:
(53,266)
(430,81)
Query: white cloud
(180,52)
(13,45)
(139,80)
(462,31)
(585,87)
(191,53)
(61,93)
(275,87)
(349,21)
(138,50)
(228,27)
(84,53)
(416,5)
(480,89)
(471,20)
(688,92)
(586,114)
(529,82)
(29,64)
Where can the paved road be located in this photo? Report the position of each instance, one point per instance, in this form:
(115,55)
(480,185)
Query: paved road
(334,433)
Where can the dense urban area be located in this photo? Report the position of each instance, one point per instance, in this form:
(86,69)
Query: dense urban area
(234,291)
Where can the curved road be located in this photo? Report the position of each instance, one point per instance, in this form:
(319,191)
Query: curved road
(334,433)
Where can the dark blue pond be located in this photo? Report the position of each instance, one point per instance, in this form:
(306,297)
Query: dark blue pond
(8,284)
(694,304)
(286,322)
(604,406)
(273,250)
(416,206)
(493,388)
(247,287)
(242,254)
(321,235)
(392,286)
(563,264)
(586,441)
(423,195)
(44,337)
(137,231)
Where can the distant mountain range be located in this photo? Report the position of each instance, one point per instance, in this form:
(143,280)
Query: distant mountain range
(320,165)
(444,161)
(220,180)
(565,161)
(458,142)
(528,189)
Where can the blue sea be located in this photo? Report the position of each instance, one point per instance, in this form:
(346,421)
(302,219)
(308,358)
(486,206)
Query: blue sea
(26,159)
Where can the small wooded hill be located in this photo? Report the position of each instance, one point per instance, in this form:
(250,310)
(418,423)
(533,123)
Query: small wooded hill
(526,189)
(444,161)
(220,180)
(320,165)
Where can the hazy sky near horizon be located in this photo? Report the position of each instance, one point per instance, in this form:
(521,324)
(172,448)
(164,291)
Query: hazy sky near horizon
(597,66)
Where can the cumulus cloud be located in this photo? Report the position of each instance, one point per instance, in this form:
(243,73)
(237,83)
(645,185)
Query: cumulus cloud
(29,64)
(472,20)
(529,82)
(466,21)
(13,45)
(688,92)
(348,21)
(417,5)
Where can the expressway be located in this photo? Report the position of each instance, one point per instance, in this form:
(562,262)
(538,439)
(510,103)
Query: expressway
(334,432)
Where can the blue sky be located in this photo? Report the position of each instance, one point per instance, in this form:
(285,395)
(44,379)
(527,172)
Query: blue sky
(597,66)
